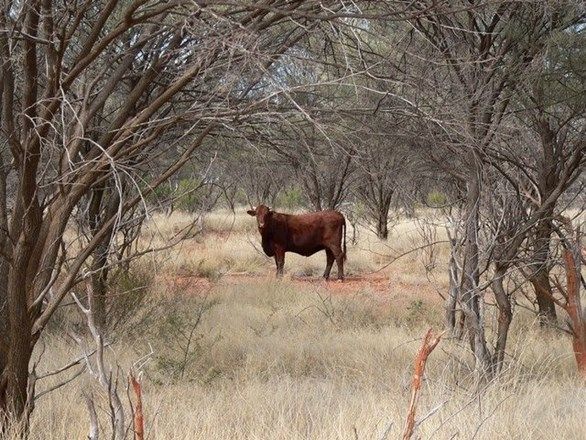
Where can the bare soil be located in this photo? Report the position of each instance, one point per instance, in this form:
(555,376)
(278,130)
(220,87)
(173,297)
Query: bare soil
(386,289)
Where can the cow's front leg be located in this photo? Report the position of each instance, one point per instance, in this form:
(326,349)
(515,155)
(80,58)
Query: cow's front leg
(279,260)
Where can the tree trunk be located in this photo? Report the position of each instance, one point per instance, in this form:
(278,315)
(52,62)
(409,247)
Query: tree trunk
(540,272)
(4,268)
(453,289)
(378,199)
(103,205)
(382,227)
(99,285)
(548,178)
(99,256)
(504,318)
(15,368)
(470,280)
(26,226)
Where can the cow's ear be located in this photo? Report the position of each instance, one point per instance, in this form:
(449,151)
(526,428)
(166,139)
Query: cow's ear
(251,212)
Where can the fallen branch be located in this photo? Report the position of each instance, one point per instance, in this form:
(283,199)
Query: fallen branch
(430,341)
(138,413)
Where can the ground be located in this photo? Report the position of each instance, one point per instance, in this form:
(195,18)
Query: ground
(226,351)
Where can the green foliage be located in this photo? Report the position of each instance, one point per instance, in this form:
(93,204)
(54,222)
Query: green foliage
(240,197)
(183,342)
(358,211)
(436,199)
(416,312)
(188,195)
(291,198)
(162,192)
(127,295)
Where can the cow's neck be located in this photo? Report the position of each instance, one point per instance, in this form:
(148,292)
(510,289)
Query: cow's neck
(267,244)
(275,232)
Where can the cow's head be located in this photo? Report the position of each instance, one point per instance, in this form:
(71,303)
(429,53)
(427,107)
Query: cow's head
(263,215)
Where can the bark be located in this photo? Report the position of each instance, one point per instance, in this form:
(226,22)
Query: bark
(548,178)
(382,229)
(103,205)
(99,284)
(574,308)
(15,371)
(100,255)
(26,225)
(4,267)
(540,272)
(138,420)
(453,289)
(94,431)
(471,295)
(505,315)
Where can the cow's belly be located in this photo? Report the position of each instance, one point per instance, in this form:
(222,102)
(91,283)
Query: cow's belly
(306,251)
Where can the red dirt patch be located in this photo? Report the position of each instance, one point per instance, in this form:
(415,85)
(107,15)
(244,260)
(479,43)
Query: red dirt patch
(391,290)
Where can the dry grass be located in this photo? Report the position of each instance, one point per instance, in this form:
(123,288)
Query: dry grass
(273,361)
(230,244)
(279,359)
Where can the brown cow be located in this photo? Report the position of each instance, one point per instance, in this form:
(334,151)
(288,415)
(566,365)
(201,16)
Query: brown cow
(304,234)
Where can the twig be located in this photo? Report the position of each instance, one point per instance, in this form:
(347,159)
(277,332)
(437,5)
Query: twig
(72,364)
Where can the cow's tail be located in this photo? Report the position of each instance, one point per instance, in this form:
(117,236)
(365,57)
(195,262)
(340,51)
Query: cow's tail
(344,226)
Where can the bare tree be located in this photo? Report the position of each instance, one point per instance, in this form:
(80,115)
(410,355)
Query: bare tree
(255,171)
(554,102)
(474,62)
(382,164)
(113,94)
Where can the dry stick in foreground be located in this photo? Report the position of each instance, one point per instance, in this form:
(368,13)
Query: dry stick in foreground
(571,293)
(138,414)
(430,341)
(574,310)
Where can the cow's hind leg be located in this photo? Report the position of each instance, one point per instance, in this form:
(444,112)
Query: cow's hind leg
(339,256)
(329,264)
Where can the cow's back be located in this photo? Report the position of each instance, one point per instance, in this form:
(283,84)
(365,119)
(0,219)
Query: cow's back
(311,232)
